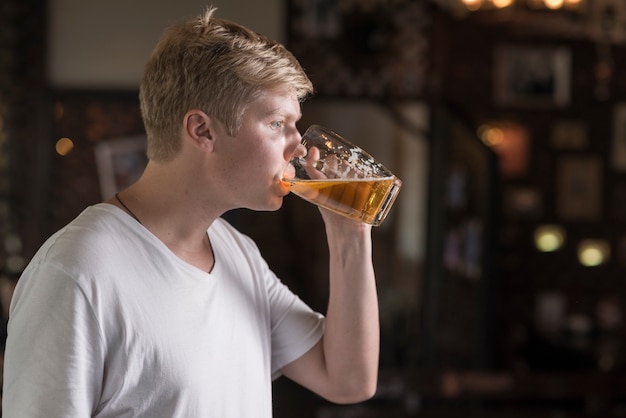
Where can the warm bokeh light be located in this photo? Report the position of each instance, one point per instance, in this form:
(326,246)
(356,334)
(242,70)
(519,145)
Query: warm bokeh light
(472,4)
(510,141)
(553,4)
(593,253)
(64,146)
(549,238)
(501,4)
(490,135)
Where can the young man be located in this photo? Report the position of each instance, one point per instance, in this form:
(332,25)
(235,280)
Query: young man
(150,304)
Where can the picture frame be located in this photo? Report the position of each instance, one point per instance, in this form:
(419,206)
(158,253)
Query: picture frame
(579,187)
(532,76)
(618,202)
(120,162)
(523,202)
(618,139)
(569,134)
(511,142)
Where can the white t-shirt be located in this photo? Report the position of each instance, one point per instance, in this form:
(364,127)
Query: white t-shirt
(107,322)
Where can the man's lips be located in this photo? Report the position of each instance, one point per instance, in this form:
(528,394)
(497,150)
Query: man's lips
(284,187)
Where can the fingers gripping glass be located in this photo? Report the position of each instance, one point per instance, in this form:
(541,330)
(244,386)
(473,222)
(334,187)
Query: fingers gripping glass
(341,177)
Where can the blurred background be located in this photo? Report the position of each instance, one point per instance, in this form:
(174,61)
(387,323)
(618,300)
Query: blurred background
(500,266)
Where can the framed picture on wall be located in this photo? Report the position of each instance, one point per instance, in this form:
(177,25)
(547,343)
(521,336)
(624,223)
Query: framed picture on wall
(568,134)
(618,140)
(523,202)
(532,76)
(120,162)
(579,188)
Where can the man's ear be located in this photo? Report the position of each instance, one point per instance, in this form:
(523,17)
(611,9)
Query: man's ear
(199,129)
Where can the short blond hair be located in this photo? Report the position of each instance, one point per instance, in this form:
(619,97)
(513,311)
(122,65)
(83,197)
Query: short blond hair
(214,65)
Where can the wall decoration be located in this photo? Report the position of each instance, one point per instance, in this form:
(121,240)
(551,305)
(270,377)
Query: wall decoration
(579,188)
(462,250)
(361,49)
(609,314)
(620,251)
(511,141)
(618,202)
(601,12)
(532,76)
(120,163)
(550,311)
(618,142)
(523,202)
(569,134)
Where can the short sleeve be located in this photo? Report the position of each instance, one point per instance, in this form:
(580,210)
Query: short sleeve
(54,352)
(296,328)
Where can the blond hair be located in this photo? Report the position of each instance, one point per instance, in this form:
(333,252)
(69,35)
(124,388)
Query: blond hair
(214,65)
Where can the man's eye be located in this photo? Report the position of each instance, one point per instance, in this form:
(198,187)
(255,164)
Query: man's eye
(277,124)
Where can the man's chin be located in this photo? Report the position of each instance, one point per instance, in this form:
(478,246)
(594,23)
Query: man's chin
(270,206)
(277,204)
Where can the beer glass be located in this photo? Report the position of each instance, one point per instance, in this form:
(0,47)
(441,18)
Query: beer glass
(343,178)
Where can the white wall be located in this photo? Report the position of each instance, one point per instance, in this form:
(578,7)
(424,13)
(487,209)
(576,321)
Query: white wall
(105,43)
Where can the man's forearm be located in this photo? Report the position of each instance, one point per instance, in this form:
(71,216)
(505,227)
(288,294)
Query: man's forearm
(352,337)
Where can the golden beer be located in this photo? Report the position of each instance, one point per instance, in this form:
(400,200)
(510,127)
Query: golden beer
(366,200)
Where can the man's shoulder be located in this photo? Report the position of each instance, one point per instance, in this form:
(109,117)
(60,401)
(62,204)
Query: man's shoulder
(87,239)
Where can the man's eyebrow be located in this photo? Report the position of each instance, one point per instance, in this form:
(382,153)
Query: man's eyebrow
(280,111)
